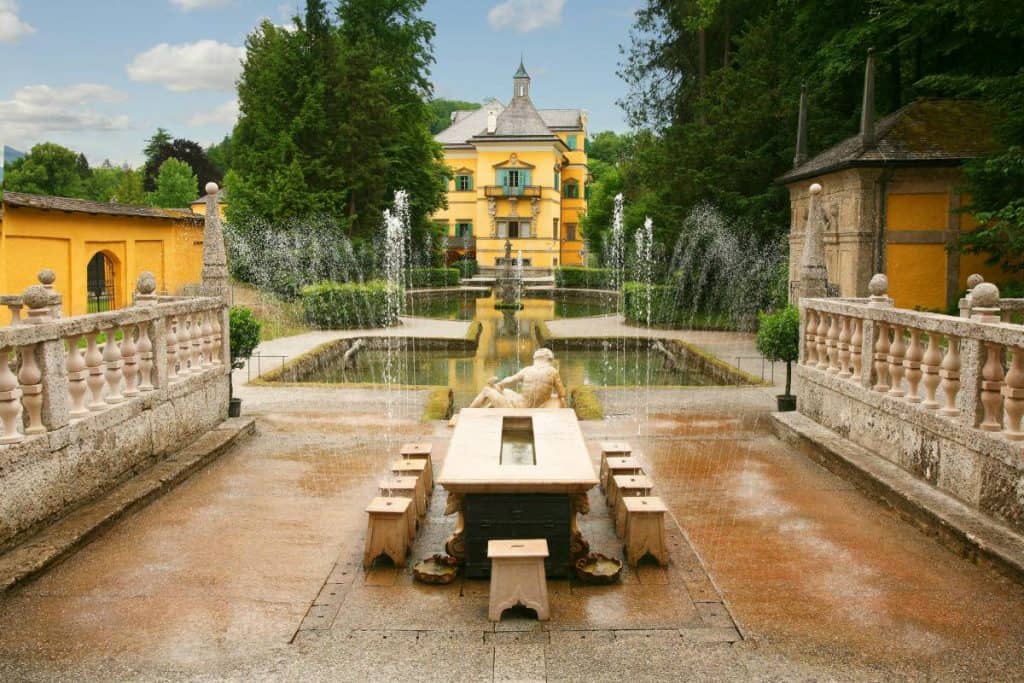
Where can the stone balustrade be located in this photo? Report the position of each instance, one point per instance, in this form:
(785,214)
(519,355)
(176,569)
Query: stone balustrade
(14,304)
(942,396)
(87,399)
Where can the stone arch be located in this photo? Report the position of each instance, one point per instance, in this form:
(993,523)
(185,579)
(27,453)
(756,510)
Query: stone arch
(103,273)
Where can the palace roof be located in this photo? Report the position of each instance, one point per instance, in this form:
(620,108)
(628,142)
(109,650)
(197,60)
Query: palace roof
(470,124)
(925,132)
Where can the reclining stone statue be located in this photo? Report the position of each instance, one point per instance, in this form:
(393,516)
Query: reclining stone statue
(541,387)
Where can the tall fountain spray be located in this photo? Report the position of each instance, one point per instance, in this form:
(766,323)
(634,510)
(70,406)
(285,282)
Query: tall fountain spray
(509,282)
(617,247)
(396,254)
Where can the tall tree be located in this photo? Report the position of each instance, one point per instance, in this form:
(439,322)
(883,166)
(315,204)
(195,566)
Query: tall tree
(192,153)
(175,185)
(442,109)
(48,169)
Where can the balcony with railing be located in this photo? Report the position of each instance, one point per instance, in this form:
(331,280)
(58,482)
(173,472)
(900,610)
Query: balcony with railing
(498,191)
(463,242)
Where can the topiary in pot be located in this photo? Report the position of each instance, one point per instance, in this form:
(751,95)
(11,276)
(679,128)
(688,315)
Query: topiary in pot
(244,332)
(778,339)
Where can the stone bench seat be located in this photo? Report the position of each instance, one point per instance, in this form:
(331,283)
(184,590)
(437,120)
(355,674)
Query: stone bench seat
(405,487)
(518,577)
(619,466)
(421,451)
(645,529)
(612,449)
(387,531)
(629,486)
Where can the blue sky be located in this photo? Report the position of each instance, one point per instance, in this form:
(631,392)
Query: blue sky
(100,76)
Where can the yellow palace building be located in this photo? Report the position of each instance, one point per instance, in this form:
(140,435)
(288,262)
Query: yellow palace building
(519,174)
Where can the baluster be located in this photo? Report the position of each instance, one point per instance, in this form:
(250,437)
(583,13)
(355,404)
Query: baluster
(197,343)
(810,344)
(820,340)
(94,362)
(76,378)
(832,344)
(31,377)
(949,371)
(1013,395)
(218,338)
(857,347)
(882,359)
(184,345)
(844,347)
(207,338)
(114,365)
(896,353)
(172,348)
(930,368)
(912,365)
(131,362)
(10,400)
(991,386)
(145,358)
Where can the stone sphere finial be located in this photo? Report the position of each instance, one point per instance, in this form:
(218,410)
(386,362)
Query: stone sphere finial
(815,188)
(47,277)
(36,296)
(879,285)
(146,283)
(985,295)
(211,188)
(973,280)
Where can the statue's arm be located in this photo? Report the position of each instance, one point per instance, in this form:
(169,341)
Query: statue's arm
(509,381)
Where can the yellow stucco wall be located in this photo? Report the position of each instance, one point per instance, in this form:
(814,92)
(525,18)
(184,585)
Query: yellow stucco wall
(33,239)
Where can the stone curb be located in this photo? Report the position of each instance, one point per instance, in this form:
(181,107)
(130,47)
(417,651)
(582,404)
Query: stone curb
(965,531)
(27,561)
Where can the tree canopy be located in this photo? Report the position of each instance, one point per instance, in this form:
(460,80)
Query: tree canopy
(160,148)
(175,185)
(48,169)
(442,110)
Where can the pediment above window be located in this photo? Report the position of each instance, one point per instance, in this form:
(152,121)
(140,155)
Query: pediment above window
(513,162)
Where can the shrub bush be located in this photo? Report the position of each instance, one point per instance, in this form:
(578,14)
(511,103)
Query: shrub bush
(778,338)
(434,277)
(583,278)
(244,335)
(350,305)
(467,267)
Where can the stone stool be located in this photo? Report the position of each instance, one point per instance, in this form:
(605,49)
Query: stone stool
(645,529)
(388,530)
(629,486)
(518,577)
(618,466)
(411,468)
(405,487)
(421,451)
(612,449)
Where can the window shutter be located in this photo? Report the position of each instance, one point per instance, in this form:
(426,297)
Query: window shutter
(503,178)
(503,230)
(524,178)
(524,229)
(469,182)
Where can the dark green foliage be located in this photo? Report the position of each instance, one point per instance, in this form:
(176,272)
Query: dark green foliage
(350,305)
(334,117)
(220,155)
(442,109)
(583,278)
(467,267)
(175,185)
(48,169)
(778,337)
(659,306)
(245,335)
(158,150)
(434,277)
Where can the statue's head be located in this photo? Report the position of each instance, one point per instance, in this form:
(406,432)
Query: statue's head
(543,356)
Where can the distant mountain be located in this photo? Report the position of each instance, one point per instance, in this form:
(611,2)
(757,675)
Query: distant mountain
(10,155)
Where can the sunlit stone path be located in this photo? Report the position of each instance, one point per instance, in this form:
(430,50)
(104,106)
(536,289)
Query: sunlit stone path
(248,571)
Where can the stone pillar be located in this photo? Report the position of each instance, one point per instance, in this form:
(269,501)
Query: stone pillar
(813,274)
(984,300)
(46,278)
(52,360)
(215,260)
(973,281)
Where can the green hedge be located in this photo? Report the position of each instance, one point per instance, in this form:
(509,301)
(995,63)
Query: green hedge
(434,277)
(583,278)
(666,310)
(350,305)
(467,267)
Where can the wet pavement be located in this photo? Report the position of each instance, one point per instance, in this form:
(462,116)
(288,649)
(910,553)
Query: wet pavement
(249,571)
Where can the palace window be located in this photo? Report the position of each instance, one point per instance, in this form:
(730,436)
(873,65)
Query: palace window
(570,232)
(571,190)
(554,228)
(463,182)
(570,141)
(513,229)
(514,177)
(464,229)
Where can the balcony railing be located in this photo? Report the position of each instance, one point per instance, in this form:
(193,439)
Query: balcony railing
(509,191)
(467,242)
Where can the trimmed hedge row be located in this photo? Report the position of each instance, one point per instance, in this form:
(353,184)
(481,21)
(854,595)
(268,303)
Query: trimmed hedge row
(433,277)
(467,267)
(349,305)
(583,278)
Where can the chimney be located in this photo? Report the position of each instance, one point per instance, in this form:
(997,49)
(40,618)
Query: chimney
(867,113)
(801,129)
(492,121)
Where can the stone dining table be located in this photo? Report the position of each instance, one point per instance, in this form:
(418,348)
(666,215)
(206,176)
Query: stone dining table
(517,474)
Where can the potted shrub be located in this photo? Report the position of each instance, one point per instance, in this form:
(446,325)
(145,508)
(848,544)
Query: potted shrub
(778,339)
(245,335)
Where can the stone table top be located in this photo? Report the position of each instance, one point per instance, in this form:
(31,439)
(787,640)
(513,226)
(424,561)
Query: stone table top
(473,463)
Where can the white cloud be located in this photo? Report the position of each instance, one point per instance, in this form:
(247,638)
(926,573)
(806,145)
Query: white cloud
(204,65)
(37,110)
(12,28)
(189,5)
(225,114)
(526,15)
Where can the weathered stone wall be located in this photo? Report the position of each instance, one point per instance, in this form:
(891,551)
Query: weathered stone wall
(44,478)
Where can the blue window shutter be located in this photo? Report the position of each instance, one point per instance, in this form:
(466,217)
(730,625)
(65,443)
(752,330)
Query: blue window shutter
(570,141)
(524,177)
(503,177)
(469,182)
